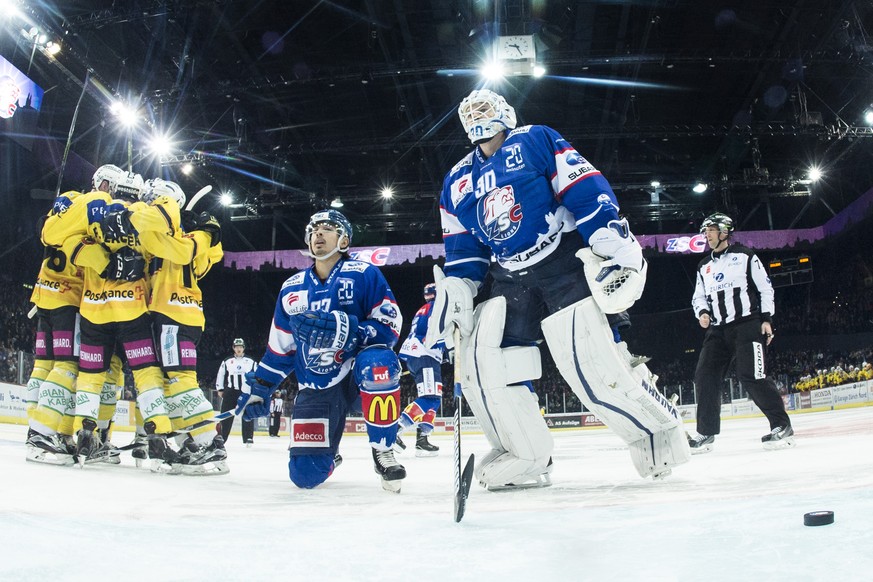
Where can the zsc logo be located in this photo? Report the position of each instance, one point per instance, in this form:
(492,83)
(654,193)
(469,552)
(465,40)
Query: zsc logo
(499,214)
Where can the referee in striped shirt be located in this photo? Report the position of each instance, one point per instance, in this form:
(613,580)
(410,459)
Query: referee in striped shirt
(229,383)
(733,301)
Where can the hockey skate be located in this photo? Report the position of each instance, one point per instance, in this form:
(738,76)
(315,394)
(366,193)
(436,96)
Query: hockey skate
(164,459)
(106,452)
(781,437)
(701,443)
(204,460)
(532,481)
(337,460)
(399,445)
(387,467)
(140,449)
(50,450)
(86,441)
(423,448)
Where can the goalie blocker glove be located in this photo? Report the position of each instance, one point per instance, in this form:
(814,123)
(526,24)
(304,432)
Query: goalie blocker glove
(125,264)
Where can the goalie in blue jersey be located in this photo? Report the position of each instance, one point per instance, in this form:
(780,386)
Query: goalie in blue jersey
(525,207)
(333,326)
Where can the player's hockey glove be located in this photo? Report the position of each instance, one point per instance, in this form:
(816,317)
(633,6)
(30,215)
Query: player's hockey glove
(125,264)
(327,330)
(116,225)
(203,221)
(254,400)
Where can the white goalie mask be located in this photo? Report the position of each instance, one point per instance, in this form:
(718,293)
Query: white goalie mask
(130,186)
(109,173)
(156,187)
(484,114)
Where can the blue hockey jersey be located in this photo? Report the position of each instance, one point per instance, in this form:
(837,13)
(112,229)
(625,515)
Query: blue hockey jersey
(413,346)
(353,287)
(516,205)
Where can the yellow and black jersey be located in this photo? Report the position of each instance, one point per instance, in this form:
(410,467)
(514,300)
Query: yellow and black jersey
(177,262)
(105,301)
(60,281)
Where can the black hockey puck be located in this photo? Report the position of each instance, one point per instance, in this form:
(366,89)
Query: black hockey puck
(818,518)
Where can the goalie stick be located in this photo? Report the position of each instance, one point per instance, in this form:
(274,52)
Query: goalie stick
(463,479)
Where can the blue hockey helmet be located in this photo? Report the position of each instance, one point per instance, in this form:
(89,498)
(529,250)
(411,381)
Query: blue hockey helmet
(377,368)
(484,114)
(337,220)
(430,292)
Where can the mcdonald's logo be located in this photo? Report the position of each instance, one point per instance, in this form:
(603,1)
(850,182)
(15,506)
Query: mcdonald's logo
(386,406)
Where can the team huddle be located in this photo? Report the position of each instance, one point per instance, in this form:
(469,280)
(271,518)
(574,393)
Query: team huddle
(523,209)
(120,270)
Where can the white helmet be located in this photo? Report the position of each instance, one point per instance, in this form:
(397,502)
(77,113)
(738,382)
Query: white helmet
(484,114)
(130,186)
(109,173)
(156,187)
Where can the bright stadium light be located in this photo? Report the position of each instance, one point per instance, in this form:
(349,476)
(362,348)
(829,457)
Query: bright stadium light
(336,203)
(655,184)
(868,117)
(815,174)
(492,71)
(187,168)
(160,145)
(387,193)
(700,187)
(226,199)
(539,71)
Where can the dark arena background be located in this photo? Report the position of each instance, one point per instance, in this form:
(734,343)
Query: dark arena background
(759,109)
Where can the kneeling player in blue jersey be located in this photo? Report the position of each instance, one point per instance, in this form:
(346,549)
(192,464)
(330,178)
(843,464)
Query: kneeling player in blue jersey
(334,326)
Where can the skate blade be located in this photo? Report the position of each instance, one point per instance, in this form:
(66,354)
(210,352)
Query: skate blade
(109,458)
(398,448)
(206,469)
(542,481)
(701,450)
(392,486)
(419,453)
(159,466)
(662,475)
(786,443)
(38,455)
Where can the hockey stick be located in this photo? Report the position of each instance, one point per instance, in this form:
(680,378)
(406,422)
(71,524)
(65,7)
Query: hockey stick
(463,479)
(200,194)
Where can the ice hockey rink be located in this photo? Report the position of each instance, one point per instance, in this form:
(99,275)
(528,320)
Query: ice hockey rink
(733,514)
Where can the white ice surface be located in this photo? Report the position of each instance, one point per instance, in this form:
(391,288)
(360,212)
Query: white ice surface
(733,514)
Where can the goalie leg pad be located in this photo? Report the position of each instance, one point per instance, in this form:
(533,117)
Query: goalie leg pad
(508,414)
(582,346)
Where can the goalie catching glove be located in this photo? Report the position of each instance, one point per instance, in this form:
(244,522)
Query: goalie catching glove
(254,401)
(453,305)
(125,264)
(614,266)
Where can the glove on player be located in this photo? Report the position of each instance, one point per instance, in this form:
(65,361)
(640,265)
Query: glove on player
(125,264)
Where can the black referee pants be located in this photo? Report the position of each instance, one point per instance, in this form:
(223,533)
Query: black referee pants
(723,343)
(228,402)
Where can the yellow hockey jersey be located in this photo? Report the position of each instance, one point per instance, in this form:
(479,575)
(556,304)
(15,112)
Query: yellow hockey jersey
(173,282)
(60,281)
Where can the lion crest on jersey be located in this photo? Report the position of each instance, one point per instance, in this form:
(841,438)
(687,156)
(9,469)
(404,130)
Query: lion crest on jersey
(499,214)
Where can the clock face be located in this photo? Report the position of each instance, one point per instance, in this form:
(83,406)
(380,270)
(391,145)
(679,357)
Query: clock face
(516,47)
